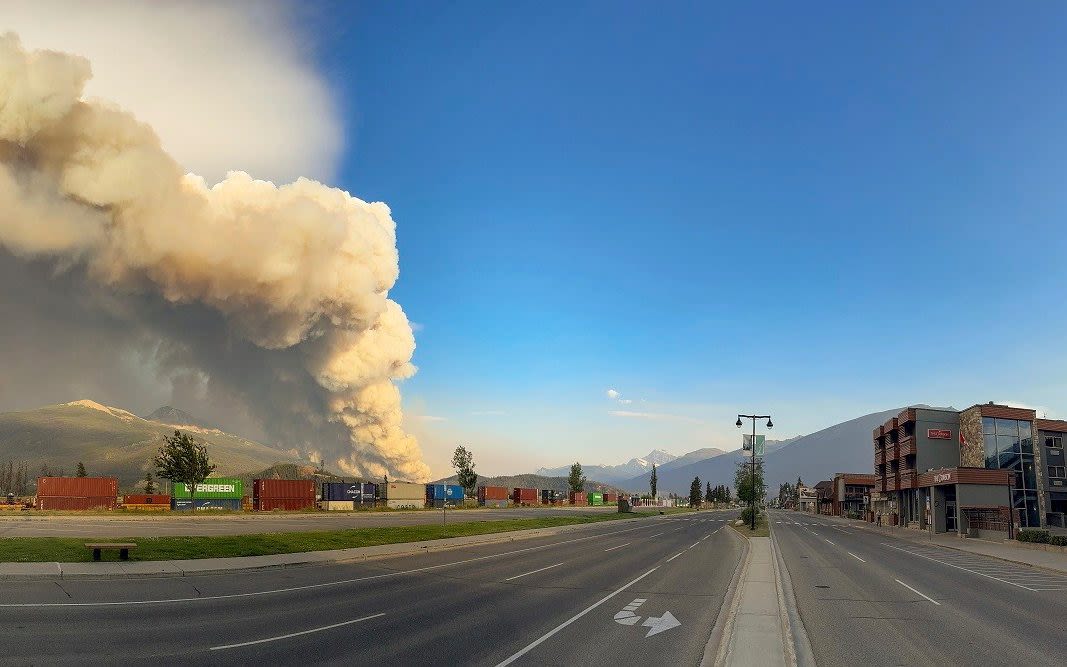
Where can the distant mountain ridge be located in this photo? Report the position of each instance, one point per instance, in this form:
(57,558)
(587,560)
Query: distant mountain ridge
(535,482)
(115,442)
(170,415)
(611,473)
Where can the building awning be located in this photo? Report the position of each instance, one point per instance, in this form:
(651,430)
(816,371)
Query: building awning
(949,476)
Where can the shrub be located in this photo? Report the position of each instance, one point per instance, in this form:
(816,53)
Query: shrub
(1058,540)
(746,515)
(1036,536)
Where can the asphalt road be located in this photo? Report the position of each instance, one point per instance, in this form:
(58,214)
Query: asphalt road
(871,599)
(543,601)
(27,524)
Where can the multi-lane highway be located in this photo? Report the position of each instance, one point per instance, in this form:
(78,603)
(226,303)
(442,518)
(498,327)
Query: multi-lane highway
(645,592)
(870,599)
(29,525)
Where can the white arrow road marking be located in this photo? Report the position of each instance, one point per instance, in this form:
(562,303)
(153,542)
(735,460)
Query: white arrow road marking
(661,624)
(627,615)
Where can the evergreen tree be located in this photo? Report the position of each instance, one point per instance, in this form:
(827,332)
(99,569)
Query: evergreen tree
(81,470)
(576,480)
(694,493)
(652,481)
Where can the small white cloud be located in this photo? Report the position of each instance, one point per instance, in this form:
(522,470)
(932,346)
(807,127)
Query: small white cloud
(430,418)
(612,394)
(416,327)
(486,413)
(625,401)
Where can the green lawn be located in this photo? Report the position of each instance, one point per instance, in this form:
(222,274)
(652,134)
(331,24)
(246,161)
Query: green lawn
(762,529)
(69,549)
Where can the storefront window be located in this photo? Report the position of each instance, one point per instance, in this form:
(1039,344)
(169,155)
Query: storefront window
(1029,473)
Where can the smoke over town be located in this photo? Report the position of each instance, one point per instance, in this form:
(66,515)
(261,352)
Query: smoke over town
(271,298)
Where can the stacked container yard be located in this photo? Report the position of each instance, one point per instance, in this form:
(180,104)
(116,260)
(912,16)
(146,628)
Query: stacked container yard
(610,498)
(524,497)
(492,496)
(439,495)
(146,501)
(282,494)
(77,493)
(577,498)
(214,493)
(596,498)
(551,497)
(401,495)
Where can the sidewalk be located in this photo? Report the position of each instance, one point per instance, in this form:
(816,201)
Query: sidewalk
(756,633)
(162,568)
(1047,560)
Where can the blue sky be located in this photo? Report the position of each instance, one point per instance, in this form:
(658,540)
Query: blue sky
(814,210)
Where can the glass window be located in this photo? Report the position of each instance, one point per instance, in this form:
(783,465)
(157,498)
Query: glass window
(1056,471)
(1029,473)
(1007,443)
(991,451)
(988,425)
(1010,460)
(1049,441)
(1027,445)
(1007,427)
(1024,429)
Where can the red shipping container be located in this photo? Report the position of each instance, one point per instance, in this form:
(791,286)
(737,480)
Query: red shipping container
(83,487)
(611,497)
(524,496)
(286,504)
(578,498)
(76,502)
(146,499)
(492,493)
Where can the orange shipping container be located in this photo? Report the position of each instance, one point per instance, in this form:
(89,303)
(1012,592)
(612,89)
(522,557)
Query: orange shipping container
(492,493)
(146,499)
(83,487)
(76,502)
(578,498)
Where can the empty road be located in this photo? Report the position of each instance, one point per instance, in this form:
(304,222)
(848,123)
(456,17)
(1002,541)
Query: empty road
(635,593)
(871,599)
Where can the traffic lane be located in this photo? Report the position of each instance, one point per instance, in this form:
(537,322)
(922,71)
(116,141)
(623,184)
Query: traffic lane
(950,616)
(176,525)
(84,590)
(161,631)
(663,614)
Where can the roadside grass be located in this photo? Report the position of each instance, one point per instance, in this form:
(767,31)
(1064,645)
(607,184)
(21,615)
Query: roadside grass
(762,528)
(180,516)
(72,550)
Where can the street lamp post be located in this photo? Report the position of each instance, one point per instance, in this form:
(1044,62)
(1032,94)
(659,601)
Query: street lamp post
(738,424)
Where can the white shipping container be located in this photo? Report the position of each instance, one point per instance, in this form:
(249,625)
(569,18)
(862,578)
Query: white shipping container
(337,505)
(405,503)
(406,491)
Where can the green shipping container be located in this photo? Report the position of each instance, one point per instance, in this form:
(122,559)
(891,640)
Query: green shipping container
(596,498)
(212,487)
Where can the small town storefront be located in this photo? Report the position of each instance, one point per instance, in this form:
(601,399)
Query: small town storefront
(973,502)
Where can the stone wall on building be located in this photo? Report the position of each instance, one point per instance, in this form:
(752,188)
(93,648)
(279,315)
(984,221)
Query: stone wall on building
(972,444)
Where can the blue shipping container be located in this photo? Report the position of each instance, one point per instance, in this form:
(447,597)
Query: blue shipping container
(370,492)
(205,504)
(342,491)
(451,493)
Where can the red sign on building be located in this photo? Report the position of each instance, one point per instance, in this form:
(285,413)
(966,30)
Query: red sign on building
(939,434)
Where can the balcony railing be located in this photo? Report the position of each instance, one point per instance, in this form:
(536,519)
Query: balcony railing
(890,483)
(907,479)
(879,457)
(892,453)
(906,446)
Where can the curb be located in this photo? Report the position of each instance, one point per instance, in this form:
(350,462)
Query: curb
(718,642)
(796,636)
(194,567)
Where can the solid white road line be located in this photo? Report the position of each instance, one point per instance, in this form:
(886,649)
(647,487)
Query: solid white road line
(519,576)
(855,556)
(917,592)
(675,556)
(123,603)
(965,569)
(619,547)
(537,642)
(656,535)
(296,634)
(829,541)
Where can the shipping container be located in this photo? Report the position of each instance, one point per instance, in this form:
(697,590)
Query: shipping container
(405,503)
(610,498)
(146,499)
(212,487)
(577,498)
(350,491)
(78,487)
(335,505)
(370,493)
(205,504)
(595,498)
(77,502)
(492,493)
(449,493)
(283,488)
(522,496)
(282,504)
(404,491)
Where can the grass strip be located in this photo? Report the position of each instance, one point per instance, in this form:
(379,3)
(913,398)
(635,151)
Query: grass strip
(762,529)
(72,550)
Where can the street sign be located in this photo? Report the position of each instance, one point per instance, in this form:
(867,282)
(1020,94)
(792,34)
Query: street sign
(761,444)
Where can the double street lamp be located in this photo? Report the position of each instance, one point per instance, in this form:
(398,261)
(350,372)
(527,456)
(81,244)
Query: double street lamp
(738,424)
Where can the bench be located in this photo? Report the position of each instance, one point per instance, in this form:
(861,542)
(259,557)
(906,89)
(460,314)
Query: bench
(122,547)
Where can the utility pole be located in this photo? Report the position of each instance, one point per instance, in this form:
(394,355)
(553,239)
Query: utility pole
(738,424)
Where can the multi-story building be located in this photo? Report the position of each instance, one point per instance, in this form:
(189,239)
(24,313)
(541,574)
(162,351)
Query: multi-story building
(807,499)
(851,494)
(970,470)
(824,497)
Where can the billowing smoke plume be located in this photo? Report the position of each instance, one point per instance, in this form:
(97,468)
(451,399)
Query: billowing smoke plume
(276,297)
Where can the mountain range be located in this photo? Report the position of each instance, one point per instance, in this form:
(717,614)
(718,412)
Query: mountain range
(844,447)
(112,441)
(536,482)
(635,466)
